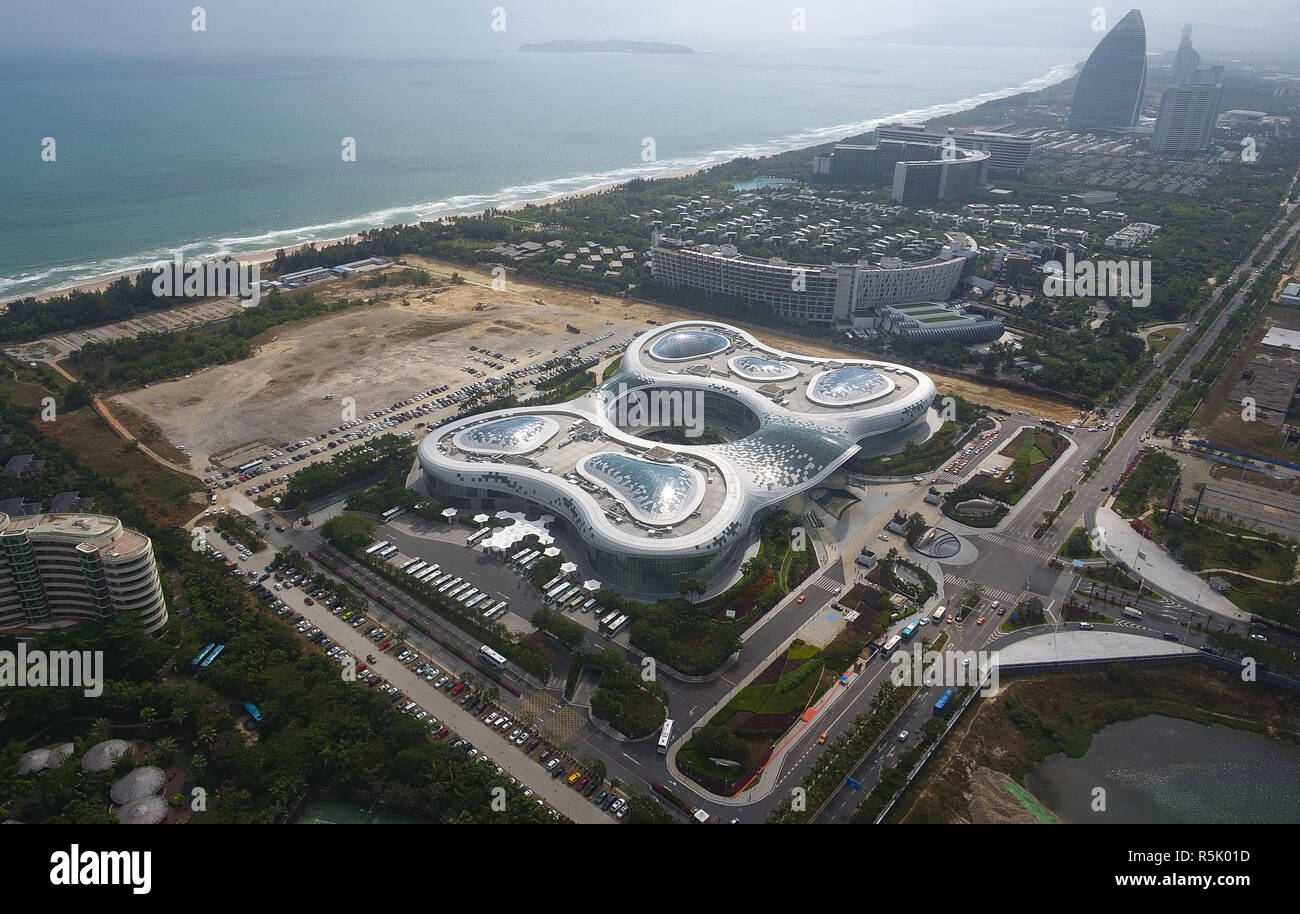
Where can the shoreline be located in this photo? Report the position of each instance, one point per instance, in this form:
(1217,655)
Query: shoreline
(808,139)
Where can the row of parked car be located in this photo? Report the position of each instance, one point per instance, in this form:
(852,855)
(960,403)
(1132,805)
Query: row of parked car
(417,664)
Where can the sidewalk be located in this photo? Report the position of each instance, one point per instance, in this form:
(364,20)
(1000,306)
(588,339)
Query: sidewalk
(1123,543)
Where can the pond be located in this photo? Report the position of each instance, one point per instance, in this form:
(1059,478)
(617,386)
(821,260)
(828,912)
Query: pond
(1160,769)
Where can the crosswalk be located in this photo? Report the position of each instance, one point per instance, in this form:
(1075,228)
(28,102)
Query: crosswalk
(997,541)
(990,593)
(823,583)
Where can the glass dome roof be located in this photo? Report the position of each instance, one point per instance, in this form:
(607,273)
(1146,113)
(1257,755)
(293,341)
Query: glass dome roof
(848,385)
(511,435)
(756,368)
(680,345)
(654,493)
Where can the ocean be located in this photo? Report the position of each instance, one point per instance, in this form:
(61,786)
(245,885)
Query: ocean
(212,157)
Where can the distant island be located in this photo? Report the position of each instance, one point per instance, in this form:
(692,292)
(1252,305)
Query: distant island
(630,47)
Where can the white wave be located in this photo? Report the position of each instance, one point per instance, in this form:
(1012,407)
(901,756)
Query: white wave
(60,278)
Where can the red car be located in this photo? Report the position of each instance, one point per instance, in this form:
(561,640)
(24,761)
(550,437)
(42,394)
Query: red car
(582,784)
(385,646)
(360,667)
(441,734)
(460,687)
(309,601)
(979,621)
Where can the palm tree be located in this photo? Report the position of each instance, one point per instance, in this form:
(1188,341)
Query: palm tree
(165,749)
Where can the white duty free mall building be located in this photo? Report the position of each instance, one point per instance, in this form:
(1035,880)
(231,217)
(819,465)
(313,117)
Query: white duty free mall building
(652,514)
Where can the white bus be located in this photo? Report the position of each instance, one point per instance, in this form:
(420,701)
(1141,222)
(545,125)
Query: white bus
(448,585)
(892,643)
(665,736)
(552,582)
(417,567)
(456,591)
(491,657)
(613,629)
(440,580)
(382,544)
(1132,613)
(391,513)
(430,573)
(938,615)
(586,607)
(576,600)
(388,553)
(608,619)
(527,564)
(519,555)
(470,604)
(553,594)
(477,535)
(468,595)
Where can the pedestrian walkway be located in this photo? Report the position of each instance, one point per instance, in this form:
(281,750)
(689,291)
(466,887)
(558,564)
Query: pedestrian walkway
(990,593)
(823,583)
(998,541)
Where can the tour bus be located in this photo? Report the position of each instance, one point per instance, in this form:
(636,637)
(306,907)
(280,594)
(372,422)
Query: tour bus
(557,592)
(468,595)
(388,553)
(498,612)
(251,465)
(576,600)
(473,538)
(430,573)
(942,703)
(488,613)
(519,555)
(910,630)
(586,607)
(470,604)
(892,643)
(382,544)
(441,579)
(527,564)
(613,629)
(491,657)
(417,567)
(391,513)
(608,619)
(665,736)
(448,585)
(458,589)
(938,615)
(1132,613)
(552,582)
(409,563)
(525,556)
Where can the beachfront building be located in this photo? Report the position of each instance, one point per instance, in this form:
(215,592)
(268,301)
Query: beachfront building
(58,570)
(956,174)
(1007,152)
(1108,92)
(650,513)
(933,322)
(825,294)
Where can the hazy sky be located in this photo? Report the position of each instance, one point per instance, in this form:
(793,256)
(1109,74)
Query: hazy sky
(413,27)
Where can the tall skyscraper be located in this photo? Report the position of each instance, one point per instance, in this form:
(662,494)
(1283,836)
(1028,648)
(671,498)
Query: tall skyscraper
(1108,92)
(1187,60)
(1187,117)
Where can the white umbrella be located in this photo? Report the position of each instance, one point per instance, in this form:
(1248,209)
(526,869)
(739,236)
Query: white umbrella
(545,540)
(449,513)
(552,550)
(568,568)
(480,518)
(592,585)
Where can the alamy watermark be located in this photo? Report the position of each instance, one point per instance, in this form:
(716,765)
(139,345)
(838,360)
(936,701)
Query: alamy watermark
(208,279)
(53,669)
(660,408)
(1101,279)
(947,669)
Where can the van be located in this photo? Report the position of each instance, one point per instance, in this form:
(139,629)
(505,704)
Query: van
(1085,626)
(1170,636)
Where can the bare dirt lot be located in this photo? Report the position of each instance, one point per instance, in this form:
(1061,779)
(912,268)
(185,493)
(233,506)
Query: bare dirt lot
(409,340)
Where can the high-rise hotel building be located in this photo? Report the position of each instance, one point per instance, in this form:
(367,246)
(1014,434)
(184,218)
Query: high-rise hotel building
(58,570)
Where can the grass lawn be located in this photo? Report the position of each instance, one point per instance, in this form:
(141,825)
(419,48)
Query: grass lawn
(1279,602)
(1223,550)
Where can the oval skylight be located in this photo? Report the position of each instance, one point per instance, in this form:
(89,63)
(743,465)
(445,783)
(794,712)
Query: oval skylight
(848,385)
(511,435)
(653,493)
(680,345)
(756,368)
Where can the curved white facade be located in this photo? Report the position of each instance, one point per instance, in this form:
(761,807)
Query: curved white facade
(653,514)
(70,568)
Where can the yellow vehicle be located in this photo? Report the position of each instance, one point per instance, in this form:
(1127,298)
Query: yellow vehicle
(573,777)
